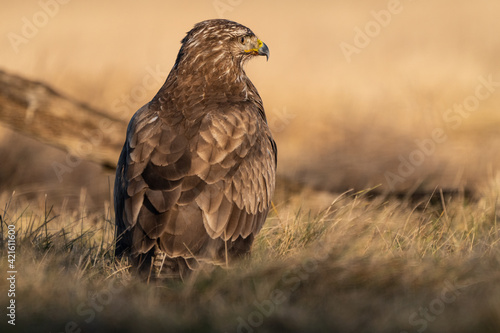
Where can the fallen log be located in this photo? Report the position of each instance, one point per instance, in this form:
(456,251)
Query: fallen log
(35,109)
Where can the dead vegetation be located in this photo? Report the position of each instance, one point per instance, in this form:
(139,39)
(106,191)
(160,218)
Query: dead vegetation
(362,264)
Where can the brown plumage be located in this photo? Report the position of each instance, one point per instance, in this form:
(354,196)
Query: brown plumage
(196,174)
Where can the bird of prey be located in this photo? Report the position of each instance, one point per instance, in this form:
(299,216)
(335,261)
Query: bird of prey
(196,175)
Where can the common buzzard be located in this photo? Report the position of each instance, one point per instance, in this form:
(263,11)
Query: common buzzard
(196,175)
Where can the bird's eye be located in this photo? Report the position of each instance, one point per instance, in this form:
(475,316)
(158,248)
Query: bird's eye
(242,40)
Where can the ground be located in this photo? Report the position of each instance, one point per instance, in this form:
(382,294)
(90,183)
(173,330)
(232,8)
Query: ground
(367,263)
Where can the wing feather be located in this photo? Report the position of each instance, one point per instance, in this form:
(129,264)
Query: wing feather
(188,188)
(141,243)
(133,206)
(232,223)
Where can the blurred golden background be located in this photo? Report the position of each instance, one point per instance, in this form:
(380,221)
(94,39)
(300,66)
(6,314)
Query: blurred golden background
(402,94)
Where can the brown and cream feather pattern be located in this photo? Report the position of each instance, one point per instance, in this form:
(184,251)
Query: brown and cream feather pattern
(196,174)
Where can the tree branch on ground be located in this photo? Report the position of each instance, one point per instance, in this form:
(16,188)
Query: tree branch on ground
(35,109)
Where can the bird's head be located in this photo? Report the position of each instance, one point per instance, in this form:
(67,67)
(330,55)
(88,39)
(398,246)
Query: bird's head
(215,41)
(251,45)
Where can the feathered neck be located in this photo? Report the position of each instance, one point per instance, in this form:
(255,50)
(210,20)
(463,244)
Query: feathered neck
(197,77)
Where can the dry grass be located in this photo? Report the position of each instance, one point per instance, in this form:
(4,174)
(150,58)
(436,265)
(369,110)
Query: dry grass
(373,261)
(365,264)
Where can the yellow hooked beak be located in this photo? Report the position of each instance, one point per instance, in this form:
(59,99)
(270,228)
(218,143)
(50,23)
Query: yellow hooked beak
(260,49)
